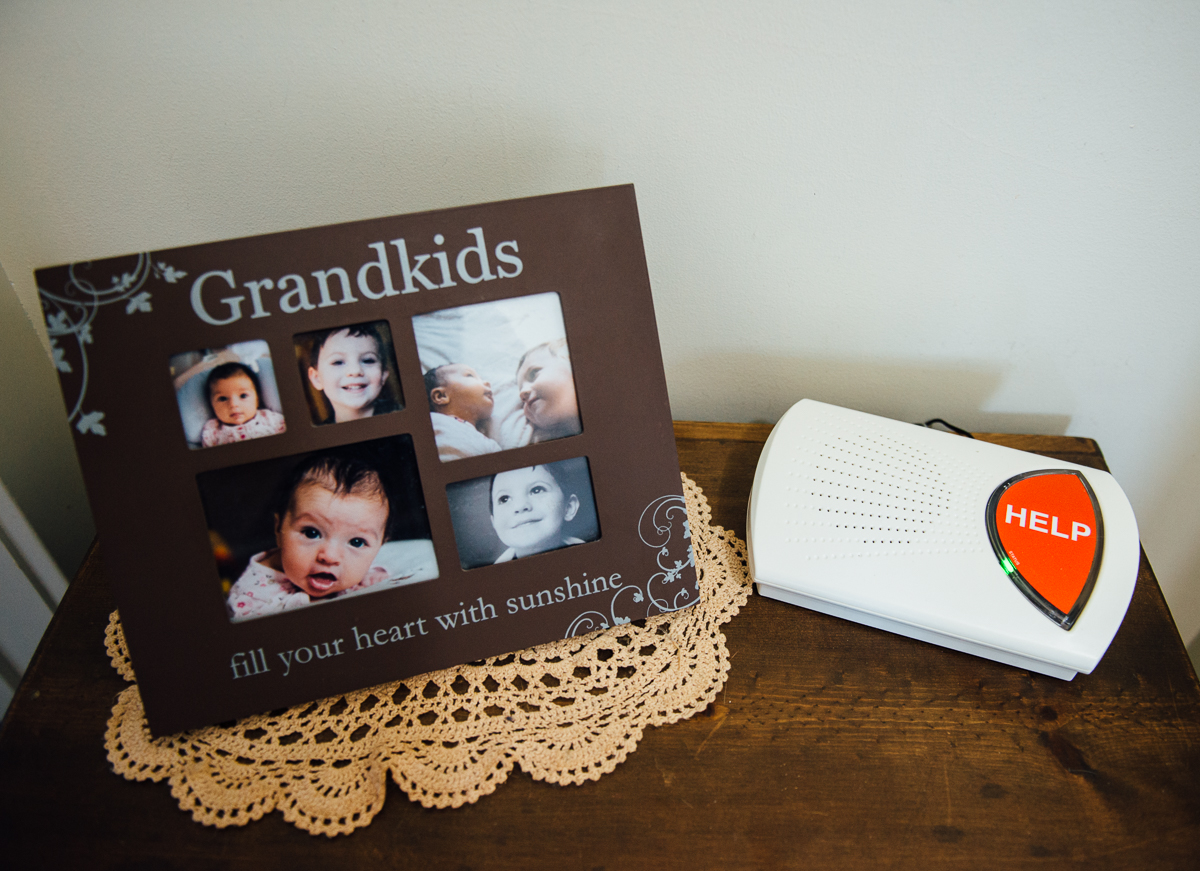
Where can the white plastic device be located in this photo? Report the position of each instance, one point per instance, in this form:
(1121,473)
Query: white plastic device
(886,523)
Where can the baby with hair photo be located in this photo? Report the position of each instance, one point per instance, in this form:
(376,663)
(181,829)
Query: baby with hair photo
(330,519)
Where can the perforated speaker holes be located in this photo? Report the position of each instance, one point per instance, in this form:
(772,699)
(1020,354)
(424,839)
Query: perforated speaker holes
(869,492)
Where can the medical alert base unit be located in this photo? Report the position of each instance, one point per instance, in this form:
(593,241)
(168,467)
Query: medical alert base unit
(992,551)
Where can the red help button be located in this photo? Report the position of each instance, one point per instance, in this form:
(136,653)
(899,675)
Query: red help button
(1048,533)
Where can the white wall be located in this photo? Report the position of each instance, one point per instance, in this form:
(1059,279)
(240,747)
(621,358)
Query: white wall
(984,211)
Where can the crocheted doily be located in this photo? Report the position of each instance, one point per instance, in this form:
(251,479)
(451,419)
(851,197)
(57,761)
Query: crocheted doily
(566,712)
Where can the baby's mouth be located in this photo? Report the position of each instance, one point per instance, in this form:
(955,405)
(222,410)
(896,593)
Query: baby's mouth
(322,582)
(526,522)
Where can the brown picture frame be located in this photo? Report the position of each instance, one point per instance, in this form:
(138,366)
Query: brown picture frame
(115,323)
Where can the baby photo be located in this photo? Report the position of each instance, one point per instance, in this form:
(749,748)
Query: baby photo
(497,375)
(349,372)
(227,395)
(297,531)
(521,512)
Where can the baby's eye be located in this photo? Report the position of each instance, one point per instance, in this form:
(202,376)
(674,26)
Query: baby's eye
(532,374)
(537,489)
(500,500)
(244,396)
(310,532)
(358,542)
(370,360)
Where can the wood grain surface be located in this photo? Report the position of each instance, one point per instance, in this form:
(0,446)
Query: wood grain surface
(833,745)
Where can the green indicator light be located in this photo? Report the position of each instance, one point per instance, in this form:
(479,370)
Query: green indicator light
(1007,566)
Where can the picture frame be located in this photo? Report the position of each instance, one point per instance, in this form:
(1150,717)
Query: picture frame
(299,516)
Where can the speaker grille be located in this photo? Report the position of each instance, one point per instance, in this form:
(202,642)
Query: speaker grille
(855,492)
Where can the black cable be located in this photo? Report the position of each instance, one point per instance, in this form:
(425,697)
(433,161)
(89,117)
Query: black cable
(962,432)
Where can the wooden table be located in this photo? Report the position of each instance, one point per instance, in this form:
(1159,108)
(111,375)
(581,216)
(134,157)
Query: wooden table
(832,745)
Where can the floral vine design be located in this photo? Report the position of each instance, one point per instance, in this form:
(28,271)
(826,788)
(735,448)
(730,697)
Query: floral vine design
(70,312)
(663,526)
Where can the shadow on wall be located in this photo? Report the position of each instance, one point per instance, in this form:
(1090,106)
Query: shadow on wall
(1169,522)
(37,455)
(953,390)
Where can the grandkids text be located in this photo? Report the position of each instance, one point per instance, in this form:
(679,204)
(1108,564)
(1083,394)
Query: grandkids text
(292,293)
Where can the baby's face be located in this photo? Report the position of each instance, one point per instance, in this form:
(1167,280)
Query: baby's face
(529,509)
(328,541)
(350,373)
(547,390)
(467,392)
(234,400)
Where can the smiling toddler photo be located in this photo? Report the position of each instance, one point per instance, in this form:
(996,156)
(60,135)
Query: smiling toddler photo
(349,372)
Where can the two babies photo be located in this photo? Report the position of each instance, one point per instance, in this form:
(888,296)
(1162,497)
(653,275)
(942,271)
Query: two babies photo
(497,375)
